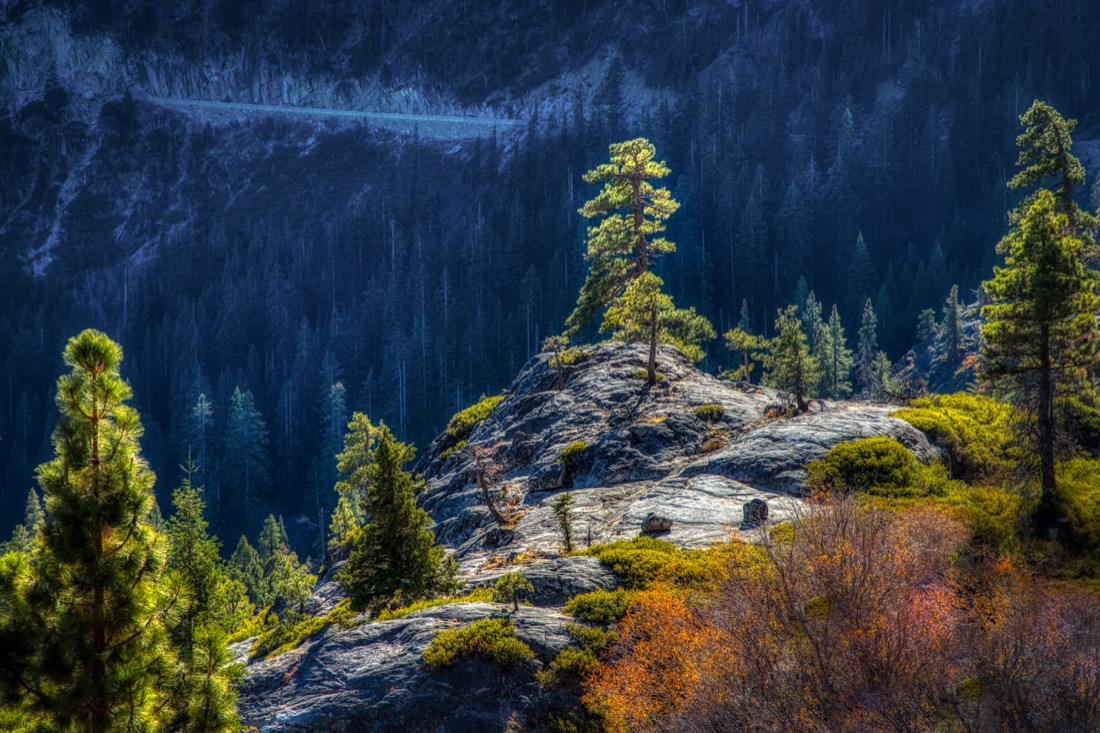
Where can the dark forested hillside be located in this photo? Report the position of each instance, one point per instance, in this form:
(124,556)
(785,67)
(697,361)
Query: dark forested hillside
(269,273)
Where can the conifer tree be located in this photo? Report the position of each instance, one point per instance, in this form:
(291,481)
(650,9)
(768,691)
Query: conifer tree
(868,346)
(1045,154)
(744,345)
(834,358)
(627,239)
(394,555)
(791,367)
(82,630)
(744,321)
(193,555)
(245,464)
(861,278)
(951,327)
(646,314)
(1039,338)
(246,567)
(812,324)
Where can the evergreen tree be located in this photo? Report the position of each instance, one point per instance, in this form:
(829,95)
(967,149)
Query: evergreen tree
(193,555)
(1044,154)
(744,345)
(791,367)
(744,321)
(246,568)
(951,327)
(646,314)
(834,358)
(627,239)
(868,347)
(245,463)
(926,325)
(82,631)
(394,555)
(1039,338)
(861,278)
(22,537)
(281,572)
(812,324)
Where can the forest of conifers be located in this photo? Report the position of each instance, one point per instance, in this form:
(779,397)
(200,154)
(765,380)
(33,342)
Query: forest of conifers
(817,125)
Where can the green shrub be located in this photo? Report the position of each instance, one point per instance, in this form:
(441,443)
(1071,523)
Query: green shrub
(878,465)
(599,606)
(258,624)
(574,355)
(710,413)
(448,452)
(974,431)
(284,637)
(464,422)
(1082,422)
(481,595)
(573,454)
(643,560)
(1079,497)
(493,639)
(574,663)
(509,587)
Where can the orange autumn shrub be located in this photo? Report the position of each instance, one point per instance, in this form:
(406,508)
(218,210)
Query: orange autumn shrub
(846,626)
(667,646)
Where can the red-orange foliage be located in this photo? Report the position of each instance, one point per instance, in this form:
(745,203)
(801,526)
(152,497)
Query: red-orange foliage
(856,623)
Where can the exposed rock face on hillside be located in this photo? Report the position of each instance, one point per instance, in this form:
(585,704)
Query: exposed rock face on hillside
(648,456)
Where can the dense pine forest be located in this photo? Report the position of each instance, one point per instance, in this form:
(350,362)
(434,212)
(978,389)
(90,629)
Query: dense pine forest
(855,152)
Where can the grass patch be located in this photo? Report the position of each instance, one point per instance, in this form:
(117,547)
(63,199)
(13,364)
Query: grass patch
(493,639)
(643,374)
(481,595)
(710,413)
(258,624)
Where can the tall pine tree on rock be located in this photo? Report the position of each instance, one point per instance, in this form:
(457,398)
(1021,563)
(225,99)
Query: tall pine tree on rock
(621,251)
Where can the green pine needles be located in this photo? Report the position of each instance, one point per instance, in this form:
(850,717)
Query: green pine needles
(84,642)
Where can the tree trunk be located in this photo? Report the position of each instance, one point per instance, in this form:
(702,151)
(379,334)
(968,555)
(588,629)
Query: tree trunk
(1046,428)
(651,367)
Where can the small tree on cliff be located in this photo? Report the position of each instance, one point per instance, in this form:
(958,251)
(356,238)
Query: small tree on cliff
(394,554)
(791,367)
(644,313)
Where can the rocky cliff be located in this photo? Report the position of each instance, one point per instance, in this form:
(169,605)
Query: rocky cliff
(649,454)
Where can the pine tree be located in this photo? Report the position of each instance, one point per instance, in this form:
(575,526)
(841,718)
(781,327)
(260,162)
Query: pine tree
(246,568)
(245,463)
(868,347)
(812,324)
(791,367)
(1044,154)
(861,278)
(627,239)
(834,358)
(193,555)
(744,345)
(82,633)
(951,327)
(1039,339)
(744,321)
(22,537)
(281,572)
(393,555)
(646,314)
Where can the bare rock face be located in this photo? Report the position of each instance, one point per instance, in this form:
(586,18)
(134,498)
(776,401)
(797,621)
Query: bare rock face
(371,678)
(642,459)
